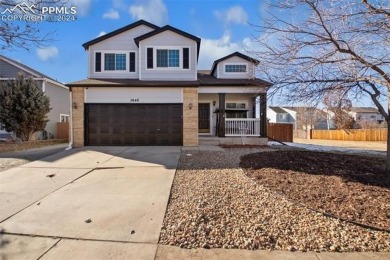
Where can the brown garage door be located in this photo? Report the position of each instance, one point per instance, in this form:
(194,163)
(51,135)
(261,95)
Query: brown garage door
(134,124)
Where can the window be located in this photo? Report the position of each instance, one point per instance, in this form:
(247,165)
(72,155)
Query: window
(2,128)
(64,118)
(236,105)
(113,61)
(236,114)
(235,68)
(168,58)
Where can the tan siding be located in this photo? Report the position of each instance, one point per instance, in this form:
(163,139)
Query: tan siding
(78,116)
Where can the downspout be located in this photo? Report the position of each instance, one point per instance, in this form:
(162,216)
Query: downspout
(71,120)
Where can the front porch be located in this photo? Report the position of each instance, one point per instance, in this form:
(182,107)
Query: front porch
(232,118)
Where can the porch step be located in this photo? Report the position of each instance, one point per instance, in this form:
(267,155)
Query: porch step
(209,141)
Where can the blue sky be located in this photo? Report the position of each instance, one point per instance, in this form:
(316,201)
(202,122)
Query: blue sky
(221,24)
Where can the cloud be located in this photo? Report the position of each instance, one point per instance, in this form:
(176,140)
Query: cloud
(83,6)
(235,14)
(46,53)
(101,33)
(111,14)
(214,49)
(153,11)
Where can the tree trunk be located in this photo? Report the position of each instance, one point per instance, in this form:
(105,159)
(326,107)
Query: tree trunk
(388,133)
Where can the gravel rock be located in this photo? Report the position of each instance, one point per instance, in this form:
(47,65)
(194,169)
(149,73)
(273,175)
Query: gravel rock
(213,203)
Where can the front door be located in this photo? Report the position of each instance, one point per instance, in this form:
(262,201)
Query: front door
(204,117)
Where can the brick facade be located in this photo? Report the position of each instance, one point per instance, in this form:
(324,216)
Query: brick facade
(190,117)
(78,116)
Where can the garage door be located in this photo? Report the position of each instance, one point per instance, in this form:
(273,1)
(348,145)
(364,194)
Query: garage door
(134,124)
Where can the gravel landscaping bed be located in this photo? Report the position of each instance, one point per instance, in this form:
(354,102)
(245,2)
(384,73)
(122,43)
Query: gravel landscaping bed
(349,186)
(214,204)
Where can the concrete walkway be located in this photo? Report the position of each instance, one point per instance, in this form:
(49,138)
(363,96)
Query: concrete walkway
(104,203)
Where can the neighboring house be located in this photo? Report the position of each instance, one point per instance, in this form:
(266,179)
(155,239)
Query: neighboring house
(366,117)
(143,88)
(302,118)
(56,91)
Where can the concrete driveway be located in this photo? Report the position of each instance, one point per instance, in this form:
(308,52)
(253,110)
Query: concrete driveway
(89,203)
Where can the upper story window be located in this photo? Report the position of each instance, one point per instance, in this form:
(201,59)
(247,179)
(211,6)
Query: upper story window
(108,61)
(114,61)
(237,68)
(168,58)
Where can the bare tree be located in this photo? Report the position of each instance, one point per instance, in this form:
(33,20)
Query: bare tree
(16,34)
(328,45)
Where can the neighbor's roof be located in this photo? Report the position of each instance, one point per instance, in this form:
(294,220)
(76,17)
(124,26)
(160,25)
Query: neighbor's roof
(168,28)
(28,69)
(118,31)
(278,110)
(364,109)
(238,54)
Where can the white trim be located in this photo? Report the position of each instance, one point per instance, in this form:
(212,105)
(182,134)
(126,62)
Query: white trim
(43,86)
(127,62)
(135,95)
(210,116)
(169,47)
(64,115)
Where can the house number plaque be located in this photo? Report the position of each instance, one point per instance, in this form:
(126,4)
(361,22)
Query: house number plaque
(134,100)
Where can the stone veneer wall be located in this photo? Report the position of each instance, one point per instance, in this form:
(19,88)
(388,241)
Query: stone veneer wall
(78,116)
(190,117)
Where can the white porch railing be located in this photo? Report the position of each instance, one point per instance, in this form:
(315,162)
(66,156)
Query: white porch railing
(242,127)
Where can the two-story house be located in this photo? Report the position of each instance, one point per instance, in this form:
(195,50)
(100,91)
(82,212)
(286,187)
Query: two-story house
(56,91)
(143,88)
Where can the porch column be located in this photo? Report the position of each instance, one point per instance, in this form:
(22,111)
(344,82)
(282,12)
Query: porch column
(263,115)
(221,115)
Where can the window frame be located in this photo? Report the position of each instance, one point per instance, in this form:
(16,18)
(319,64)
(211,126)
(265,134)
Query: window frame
(127,61)
(64,115)
(235,63)
(155,48)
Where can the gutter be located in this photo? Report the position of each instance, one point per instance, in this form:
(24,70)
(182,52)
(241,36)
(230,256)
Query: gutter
(70,146)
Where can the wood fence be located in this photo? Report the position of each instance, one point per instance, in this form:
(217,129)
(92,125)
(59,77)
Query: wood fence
(280,132)
(63,130)
(377,134)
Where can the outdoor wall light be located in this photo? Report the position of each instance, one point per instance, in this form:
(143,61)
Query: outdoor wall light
(190,106)
(74,105)
(214,103)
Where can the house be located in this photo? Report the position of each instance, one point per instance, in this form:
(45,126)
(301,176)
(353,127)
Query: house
(56,91)
(301,117)
(366,117)
(143,88)
(278,114)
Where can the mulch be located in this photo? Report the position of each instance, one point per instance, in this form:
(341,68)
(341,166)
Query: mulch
(14,146)
(352,187)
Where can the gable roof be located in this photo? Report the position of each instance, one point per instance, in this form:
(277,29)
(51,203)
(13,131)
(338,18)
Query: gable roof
(168,28)
(278,110)
(118,31)
(238,54)
(30,70)
(364,110)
